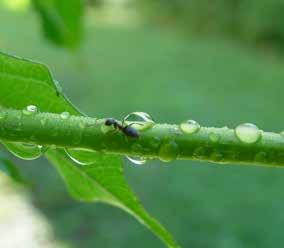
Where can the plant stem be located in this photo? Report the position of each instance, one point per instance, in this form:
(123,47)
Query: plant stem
(162,141)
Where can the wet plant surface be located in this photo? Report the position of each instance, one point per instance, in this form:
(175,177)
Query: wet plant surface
(202,205)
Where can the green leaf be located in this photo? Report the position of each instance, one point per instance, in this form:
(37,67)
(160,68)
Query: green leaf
(8,167)
(61,21)
(23,82)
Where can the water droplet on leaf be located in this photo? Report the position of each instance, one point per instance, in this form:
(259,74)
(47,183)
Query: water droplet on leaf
(190,126)
(81,156)
(136,160)
(24,151)
(248,133)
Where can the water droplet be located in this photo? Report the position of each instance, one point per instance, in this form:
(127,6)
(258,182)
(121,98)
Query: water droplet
(64,115)
(24,151)
(248,133)
(168,151)
(260,157)
(214,137)
(58,87)
(30,109)
(190,126)
(81,156)
(139,120)
(136,160)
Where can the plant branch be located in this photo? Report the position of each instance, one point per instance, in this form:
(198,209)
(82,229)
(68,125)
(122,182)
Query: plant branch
(162,141)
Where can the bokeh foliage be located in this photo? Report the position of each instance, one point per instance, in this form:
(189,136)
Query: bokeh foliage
(61,21)
(254,21)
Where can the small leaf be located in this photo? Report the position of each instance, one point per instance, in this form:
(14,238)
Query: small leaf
(61,21)
(103,181)
(23,82)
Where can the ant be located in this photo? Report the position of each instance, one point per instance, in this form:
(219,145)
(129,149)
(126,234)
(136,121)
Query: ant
(127,130)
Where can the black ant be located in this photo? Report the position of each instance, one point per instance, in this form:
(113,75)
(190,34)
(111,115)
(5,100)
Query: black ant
(127,130)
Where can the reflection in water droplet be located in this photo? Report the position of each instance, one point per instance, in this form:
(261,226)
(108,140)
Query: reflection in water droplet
(81,156)
(168,151)
(214,137)
(64,115)
(190,126)
(136,160)
(24,151)
(139,120)
(30,109)
(248,133)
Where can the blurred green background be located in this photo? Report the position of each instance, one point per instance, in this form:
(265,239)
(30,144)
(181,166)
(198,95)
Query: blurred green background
(217,62)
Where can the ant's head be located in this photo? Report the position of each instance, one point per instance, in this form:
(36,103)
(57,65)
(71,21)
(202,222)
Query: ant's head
(110,121)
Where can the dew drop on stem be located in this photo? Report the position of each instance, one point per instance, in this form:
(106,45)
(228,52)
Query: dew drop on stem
(248,133)
(64,115)
(30,110)
(190,126)
(168,151)
(139,120)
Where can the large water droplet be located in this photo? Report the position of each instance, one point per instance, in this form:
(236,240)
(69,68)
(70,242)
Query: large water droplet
(136,160)
(81,156)
(139,120)
(24,151)
(190,126)
(168,151)
(30,109)
(248,133)
(214,137)
(64,115)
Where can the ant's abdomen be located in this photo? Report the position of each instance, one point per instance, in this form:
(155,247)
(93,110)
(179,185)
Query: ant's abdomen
(130,131)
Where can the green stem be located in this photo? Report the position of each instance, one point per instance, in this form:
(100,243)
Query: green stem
(162,141)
